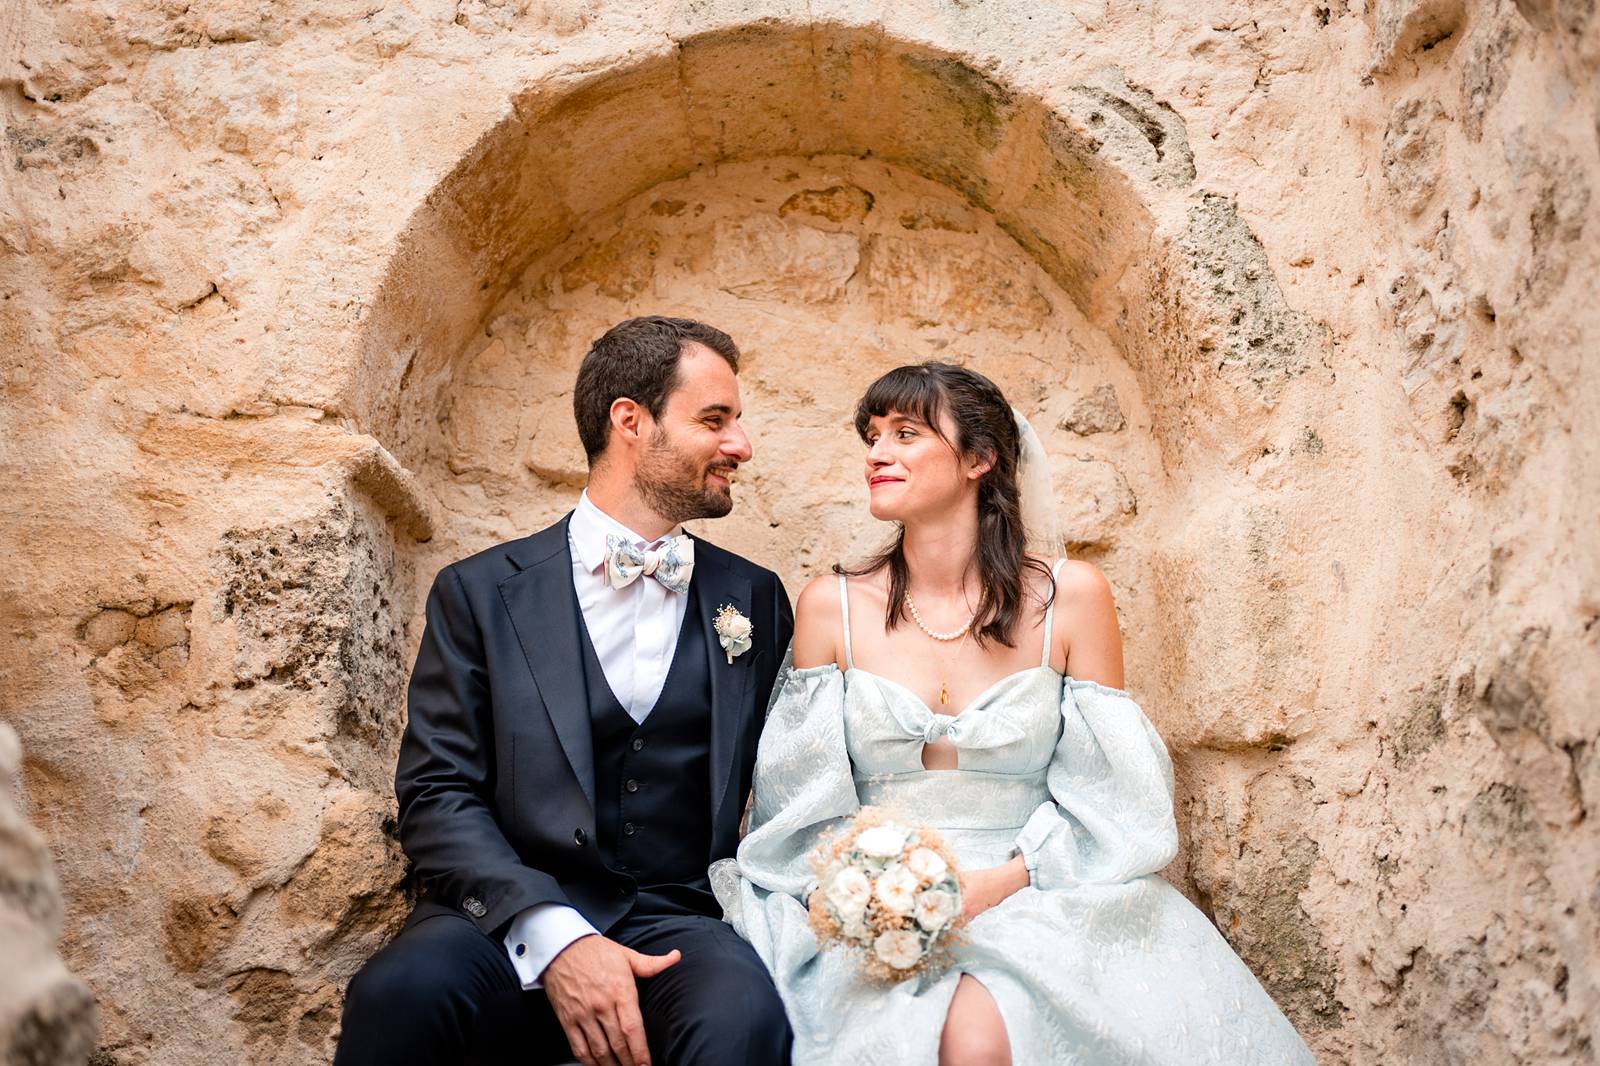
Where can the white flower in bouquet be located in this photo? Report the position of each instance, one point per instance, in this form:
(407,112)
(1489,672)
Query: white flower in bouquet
(856,929)
(897,889)
(882,841)
(849,892)
(935,909)
(900,948)
(926,864)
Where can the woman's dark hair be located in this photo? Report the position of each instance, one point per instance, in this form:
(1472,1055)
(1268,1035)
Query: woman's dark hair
(986,428)
(638,359)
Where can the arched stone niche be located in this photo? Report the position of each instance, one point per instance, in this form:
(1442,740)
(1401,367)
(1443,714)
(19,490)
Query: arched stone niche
(1084,199)
(842,202)
(1093,184)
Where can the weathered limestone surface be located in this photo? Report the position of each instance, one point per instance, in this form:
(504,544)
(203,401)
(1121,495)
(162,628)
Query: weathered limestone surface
(46,1014)
(1299,297)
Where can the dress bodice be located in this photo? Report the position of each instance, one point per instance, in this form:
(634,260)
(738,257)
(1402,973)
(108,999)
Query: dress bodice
(1010,728)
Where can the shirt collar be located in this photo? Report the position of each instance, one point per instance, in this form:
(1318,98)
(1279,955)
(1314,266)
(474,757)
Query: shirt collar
(588,530)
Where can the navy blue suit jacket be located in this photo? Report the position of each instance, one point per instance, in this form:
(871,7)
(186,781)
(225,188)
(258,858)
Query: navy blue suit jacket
(496,771)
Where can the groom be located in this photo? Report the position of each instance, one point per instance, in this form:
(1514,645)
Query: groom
(583,722)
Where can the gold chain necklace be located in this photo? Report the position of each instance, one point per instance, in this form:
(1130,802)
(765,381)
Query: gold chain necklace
(955,634)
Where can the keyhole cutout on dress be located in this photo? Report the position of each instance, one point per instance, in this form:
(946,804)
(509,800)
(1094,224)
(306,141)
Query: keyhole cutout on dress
(940,754)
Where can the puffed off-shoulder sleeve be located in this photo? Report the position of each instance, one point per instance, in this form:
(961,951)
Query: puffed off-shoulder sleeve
(1109,816)
(802,787)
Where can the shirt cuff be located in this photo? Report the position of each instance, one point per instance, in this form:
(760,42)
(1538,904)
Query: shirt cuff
(540,933)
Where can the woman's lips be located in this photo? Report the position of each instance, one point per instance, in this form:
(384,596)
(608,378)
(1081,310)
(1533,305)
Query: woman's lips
(876,481)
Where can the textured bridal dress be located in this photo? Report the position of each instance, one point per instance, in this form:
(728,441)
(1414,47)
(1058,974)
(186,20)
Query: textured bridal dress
(1099,961)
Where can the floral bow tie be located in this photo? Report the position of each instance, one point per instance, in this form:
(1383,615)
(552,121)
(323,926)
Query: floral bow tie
(672,564)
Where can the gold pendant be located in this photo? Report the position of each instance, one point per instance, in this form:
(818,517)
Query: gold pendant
(944,694)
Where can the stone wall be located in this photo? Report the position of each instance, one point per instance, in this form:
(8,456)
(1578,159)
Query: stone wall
(47,1016)
(291,298)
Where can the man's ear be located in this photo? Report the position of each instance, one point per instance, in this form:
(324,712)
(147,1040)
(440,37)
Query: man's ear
(628,420)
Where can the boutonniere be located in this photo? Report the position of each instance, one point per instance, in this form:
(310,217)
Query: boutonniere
(733,631)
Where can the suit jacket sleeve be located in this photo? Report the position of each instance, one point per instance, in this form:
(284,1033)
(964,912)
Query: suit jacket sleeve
(445,777)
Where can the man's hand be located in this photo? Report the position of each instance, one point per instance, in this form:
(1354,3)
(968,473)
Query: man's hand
(591,987)
(982,889)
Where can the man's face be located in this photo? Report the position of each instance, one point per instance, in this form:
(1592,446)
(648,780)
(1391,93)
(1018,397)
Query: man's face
(686,468)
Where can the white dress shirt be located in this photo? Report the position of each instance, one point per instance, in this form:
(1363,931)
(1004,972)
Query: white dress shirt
(634,631)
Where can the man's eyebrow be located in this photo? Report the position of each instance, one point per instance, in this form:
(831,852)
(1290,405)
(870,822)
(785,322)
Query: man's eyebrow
(720,409)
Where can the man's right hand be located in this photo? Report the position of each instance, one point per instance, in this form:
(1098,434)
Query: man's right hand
(590,985)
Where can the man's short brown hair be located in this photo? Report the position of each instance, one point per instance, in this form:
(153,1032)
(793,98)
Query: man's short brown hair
(637,359)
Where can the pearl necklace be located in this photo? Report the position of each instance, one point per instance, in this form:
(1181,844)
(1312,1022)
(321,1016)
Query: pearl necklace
(916,616)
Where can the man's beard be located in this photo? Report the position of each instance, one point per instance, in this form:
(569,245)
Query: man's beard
(675,486)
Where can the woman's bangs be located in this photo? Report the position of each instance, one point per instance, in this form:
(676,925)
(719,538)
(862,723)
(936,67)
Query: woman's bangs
(909,391)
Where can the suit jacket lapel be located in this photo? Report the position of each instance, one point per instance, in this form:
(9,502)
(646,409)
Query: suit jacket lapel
(719,586)
(544,612)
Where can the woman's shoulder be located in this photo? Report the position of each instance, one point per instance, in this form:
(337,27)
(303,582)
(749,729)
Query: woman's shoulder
(819,599)
(818,622)
(822,592)
(1087,630)
(1077,582)
(1080,582)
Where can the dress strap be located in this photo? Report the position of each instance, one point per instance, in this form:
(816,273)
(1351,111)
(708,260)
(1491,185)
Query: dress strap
(844,613)
(1050,611)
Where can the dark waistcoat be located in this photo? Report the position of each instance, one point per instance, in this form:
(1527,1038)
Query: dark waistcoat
(653,780)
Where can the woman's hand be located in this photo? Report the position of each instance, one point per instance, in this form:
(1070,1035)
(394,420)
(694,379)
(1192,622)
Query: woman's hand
(982,889)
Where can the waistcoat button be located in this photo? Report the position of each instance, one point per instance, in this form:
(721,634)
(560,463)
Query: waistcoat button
(579,837)
(632,786)
(638,743)
(630,829)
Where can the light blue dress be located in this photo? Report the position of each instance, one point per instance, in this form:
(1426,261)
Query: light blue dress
(1099,961)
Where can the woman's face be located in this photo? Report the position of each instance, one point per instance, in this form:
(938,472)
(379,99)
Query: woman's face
(913,471)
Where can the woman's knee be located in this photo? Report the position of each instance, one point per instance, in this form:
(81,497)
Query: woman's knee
(974,1032)
(974,1046)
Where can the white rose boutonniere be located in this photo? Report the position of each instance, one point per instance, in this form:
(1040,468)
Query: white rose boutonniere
(733,631)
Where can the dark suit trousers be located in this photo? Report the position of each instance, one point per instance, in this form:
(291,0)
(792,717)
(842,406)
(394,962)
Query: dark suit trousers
(442,993)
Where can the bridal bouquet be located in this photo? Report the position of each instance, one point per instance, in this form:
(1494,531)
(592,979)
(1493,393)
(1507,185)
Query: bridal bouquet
(889,891)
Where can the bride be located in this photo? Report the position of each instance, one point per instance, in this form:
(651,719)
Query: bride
(971,686)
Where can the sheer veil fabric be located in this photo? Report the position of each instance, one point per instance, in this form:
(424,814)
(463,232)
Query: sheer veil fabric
(1036,491)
